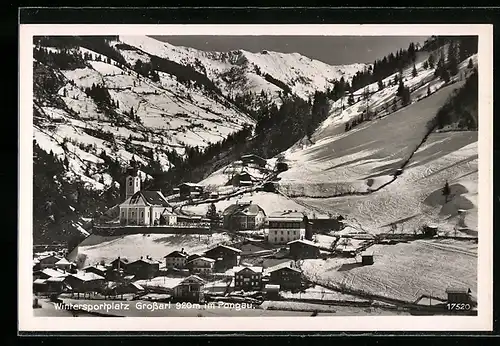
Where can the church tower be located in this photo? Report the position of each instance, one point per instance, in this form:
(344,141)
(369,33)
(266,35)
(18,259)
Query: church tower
(132,181)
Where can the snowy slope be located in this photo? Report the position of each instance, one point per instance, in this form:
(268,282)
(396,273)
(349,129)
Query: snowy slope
(302,74)
(350,164)
(170,117)
(340,165)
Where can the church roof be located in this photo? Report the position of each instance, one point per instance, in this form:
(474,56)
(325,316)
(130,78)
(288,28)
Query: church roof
(149,198)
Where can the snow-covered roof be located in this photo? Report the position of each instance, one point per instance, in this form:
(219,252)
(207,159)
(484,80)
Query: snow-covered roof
(53,272)
(87,276)
(193,277)
(42,258)
(63,261)
(303,241)
(287,264)
(225,247)
(255,269)
(205,259)
(146,260)
(190,185)
(242,208)
(96,266)
(58,279)
(286,215)
(148,198)
(40,281)
(177,254)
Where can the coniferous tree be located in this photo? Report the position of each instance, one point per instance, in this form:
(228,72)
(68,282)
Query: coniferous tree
(452,59)
(380,84)
(470,65)
(431,60)
(426,64)
(414,71)
(446,191)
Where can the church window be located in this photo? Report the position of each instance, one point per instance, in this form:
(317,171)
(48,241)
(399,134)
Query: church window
(130,183)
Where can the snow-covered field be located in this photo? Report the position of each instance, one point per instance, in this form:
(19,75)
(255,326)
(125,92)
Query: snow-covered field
(403,271)
(97,248)
(268,201)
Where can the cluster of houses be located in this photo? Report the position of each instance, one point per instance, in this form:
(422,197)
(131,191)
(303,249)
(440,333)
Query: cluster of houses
(186,273)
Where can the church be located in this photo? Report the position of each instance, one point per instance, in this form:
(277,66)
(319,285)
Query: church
(141,208)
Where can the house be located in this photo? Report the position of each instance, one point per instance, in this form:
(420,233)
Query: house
(143,268)
(119,264)
(286,275)
(242,179)
(367,258)
(116,288)
(64,264)
(272,292)
(40,285)
(50,273)
(82,282)
(251,248)
(190,220)
(346,250)
(458,295)
(50,285)
(48,261)
(285,226)
(190,190)
(56,284)
(201,265)
(176,259)
(303,249)
(143,208)
(243,216)
(193,256)
(252,159)
(226,256)
(190,289)
(96,269)
(248,278)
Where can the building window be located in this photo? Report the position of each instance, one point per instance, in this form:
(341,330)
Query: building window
(142,214)
(281,238)
(130,183)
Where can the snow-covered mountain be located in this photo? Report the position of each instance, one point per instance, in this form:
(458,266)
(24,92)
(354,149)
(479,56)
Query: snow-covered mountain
(241,71)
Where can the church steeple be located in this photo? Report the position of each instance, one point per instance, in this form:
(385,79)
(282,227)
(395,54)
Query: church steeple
(132,180)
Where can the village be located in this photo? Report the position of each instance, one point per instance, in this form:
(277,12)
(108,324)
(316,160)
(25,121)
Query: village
(262,263)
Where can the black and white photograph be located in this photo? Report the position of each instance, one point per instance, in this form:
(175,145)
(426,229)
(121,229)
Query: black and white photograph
(260,175)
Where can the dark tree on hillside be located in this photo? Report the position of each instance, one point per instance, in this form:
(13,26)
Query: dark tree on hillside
(431,61)
(414,71)
(401,88)
(470,65)
(426,64)
(428,90)
(213,216)
(452,59)
(350,99)
(380,84)
(446,191)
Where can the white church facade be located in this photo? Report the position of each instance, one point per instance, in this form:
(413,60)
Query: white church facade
(150,208)
(141,208)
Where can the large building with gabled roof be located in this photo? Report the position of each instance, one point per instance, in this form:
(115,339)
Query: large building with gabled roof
(141,207)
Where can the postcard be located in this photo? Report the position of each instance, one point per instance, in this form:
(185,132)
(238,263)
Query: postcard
(255,177)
